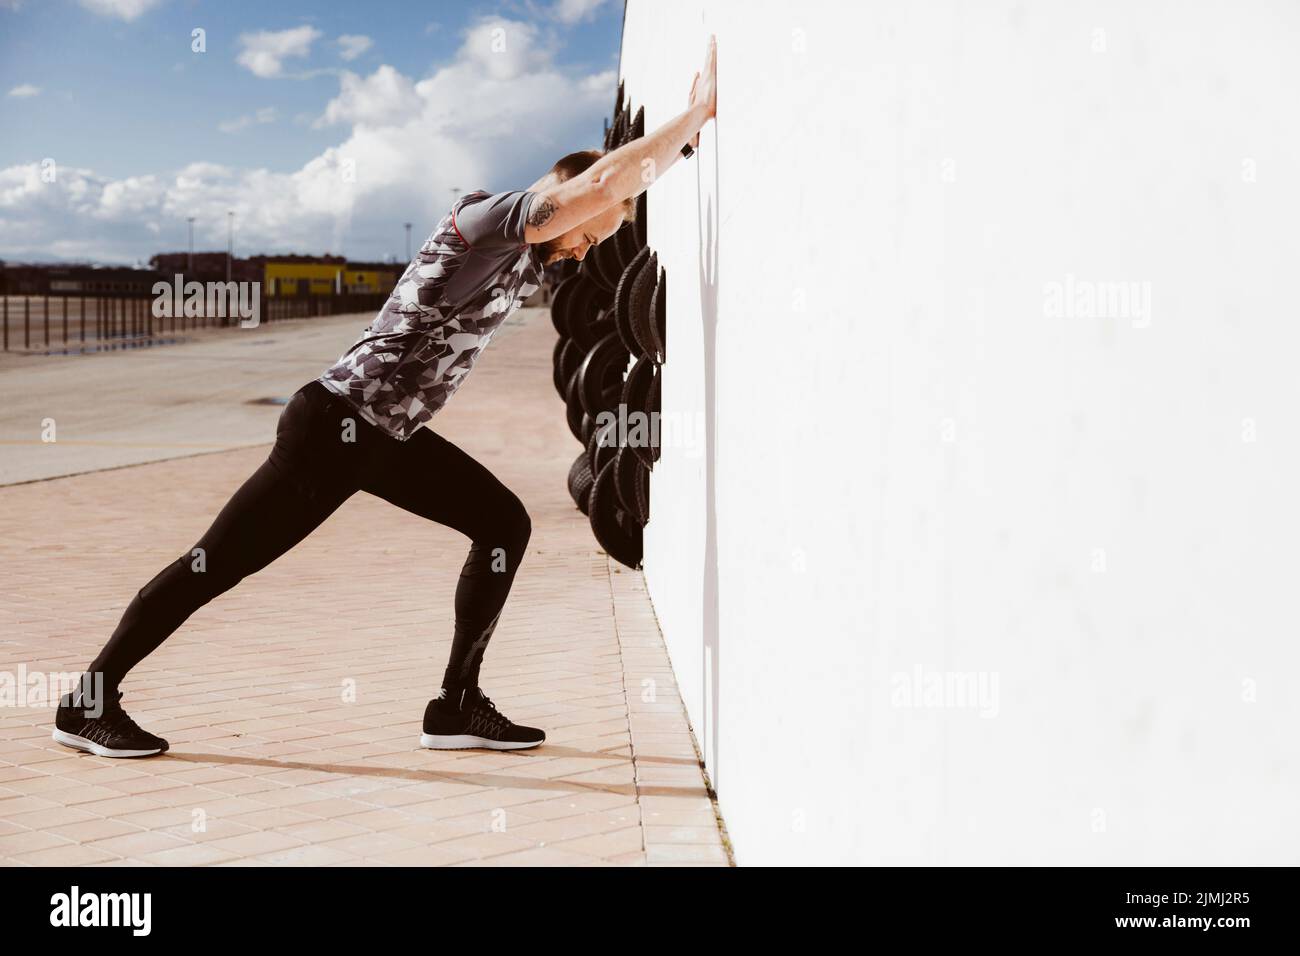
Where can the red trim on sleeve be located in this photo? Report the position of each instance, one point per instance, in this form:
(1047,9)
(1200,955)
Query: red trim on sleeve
(457,228)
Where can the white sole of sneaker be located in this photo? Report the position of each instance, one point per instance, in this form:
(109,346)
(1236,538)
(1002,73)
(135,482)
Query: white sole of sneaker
(90,747)
(470,742)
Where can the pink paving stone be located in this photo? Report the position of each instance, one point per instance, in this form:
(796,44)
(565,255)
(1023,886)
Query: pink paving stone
(287,768)
(685,853)
(26,841)
(539,856)
(70,855)
(605,845)
(704,834)
(137,844)
(194,854)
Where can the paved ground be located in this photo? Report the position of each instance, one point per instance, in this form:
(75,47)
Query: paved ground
(293,702)
(126,407)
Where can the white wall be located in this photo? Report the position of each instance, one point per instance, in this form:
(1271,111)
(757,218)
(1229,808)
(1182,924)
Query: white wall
(912,463)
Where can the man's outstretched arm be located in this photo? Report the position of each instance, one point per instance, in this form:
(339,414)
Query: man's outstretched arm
(627,171)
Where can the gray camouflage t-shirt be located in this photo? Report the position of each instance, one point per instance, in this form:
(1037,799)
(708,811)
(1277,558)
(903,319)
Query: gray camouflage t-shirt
(471,273)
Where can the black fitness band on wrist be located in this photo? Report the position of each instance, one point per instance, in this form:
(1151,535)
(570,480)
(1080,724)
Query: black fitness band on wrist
(687,151)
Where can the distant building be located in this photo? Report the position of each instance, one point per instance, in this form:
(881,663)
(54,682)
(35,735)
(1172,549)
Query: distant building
(301,275)
(287,275)
(326,275)
(64,279)
(208,267)
(364,278)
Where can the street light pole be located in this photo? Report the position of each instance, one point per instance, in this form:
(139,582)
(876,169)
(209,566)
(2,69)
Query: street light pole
(408,241)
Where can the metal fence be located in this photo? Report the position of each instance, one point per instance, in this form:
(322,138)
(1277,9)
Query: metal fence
(40,322)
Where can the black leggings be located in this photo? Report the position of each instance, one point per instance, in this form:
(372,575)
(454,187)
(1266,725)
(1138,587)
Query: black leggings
(324,452)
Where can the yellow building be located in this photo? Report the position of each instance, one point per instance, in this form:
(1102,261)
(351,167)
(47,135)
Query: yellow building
(288,277)
(361,280)
(301,278)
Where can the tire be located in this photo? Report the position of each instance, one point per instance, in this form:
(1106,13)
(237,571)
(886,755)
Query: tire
(640,318)
(625,124)
(557,365)
(601,448)
(602,326)
(568,268)
(636,398)
(659,315)
(593,270)
(615,532)
(579,310)
(573,407)
(588,308)
(600,376)
(580,481)
(610,258)
(560,303)
(623,299)
(570,359)
(619,125)
(632,483)
(654,406)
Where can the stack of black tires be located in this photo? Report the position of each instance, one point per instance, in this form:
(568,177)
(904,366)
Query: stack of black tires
(610,315)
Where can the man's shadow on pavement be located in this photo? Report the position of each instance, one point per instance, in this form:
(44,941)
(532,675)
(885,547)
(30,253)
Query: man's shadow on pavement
(481,779)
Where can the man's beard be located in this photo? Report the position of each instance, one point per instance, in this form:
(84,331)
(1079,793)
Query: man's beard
(549,248)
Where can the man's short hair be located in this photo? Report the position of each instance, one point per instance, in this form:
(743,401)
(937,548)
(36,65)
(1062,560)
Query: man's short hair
(577,163)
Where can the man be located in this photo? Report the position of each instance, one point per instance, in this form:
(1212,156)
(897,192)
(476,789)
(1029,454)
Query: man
(357,428)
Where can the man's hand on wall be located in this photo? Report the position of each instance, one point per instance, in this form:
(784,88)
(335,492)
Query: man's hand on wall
(695,140)
(704,88)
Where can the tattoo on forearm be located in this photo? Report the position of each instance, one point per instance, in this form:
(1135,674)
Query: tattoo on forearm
(542,212)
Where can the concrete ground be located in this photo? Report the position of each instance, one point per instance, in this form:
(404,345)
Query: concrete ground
(146,404)
(293,703)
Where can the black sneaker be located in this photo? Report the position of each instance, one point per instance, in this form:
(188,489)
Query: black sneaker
(467,719)
(111,734)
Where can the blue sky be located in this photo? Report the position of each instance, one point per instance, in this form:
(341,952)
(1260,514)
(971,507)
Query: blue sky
(323,126)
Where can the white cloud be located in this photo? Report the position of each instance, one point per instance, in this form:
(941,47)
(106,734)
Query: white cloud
(571,11)
(352,45)
(503,49)
(601,83)
(122,9)
(384,97)
(24,90)
(488,119)
(264,53)
(266,114)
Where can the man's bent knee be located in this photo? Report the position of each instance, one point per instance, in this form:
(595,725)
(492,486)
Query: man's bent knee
(510,530)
